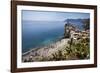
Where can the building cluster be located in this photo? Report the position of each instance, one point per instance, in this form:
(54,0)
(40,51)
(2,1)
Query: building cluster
(72,32)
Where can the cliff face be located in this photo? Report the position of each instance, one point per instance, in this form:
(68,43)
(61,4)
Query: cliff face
(68,29)
(78,23)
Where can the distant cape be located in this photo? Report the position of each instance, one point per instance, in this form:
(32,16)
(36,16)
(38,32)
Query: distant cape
(78,23)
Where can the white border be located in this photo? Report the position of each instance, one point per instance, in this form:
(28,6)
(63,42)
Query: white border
(53,63)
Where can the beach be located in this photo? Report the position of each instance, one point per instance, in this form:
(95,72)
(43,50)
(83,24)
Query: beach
(46,51)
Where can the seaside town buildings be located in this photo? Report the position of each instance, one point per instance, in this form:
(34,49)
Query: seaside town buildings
(72,32)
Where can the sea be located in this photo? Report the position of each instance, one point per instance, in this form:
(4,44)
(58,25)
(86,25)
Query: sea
(41,33)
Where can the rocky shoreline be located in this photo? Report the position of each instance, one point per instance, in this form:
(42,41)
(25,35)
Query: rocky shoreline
(74,45)
(36,53)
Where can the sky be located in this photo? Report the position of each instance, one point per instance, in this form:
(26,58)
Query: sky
(31,15)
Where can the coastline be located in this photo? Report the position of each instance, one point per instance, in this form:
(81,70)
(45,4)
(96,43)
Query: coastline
(46,51)
(73,45)
(36,48)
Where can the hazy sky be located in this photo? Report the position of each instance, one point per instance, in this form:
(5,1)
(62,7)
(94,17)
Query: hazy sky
(52,16)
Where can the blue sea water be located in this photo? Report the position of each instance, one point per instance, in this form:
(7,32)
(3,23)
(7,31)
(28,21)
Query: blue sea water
(41,33)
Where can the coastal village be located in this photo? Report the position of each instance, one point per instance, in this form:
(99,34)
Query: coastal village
(73,45)
(72,32)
